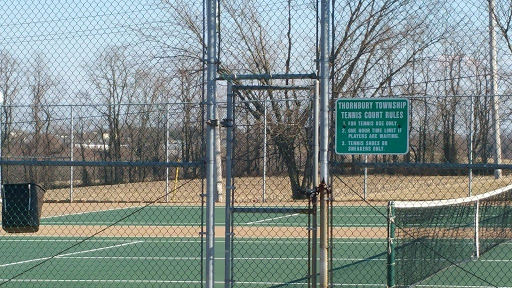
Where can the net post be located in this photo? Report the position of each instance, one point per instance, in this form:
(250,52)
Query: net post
(477,227)
(391,246)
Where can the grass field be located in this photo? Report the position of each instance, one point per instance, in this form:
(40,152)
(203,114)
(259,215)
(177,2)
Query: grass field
(248,189)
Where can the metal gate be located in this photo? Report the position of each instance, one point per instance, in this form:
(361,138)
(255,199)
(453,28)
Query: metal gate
(270,200)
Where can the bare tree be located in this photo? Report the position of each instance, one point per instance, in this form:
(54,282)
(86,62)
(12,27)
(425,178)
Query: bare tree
(42,142)
(371,31)
(10,82)
(262,49)
(377,43)
(112,77)
(188,85)
(423,134)
(503,14)
(145,124)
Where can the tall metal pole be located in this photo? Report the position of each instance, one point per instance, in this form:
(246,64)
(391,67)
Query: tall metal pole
(316,131)
(316,148)
(167,128)
(1,129)
(494,88)
(71,155)
(365,180)
(211,119)
(477,228)
(470,146)
(324,129)
(229,184)
(264,184)
(391,246)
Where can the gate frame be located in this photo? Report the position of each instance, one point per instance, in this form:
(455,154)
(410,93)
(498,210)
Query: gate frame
(312,206)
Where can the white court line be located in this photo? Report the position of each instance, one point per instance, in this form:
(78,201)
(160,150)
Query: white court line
(268,284)
(69,254)
(106,281)
(134,258)
(358,285)
(419,285)
(146,240)
(459,286)
(123,222)
(124,208)
(271,219)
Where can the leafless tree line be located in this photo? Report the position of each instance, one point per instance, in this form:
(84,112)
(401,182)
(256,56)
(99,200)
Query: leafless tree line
(429,51)
(397,48)
(132,113)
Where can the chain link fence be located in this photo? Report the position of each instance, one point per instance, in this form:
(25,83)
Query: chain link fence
(106,118)
(450,65)
(268,180)
(103,107)
(445,58)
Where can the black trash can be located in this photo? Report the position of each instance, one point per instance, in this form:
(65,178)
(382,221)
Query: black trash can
(21,207)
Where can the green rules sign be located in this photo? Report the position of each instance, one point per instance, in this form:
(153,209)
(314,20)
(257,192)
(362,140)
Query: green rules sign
(372,126)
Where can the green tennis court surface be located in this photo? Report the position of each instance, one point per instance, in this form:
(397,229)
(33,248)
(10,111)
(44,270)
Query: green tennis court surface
(191,216)
(122,261)
(103,262)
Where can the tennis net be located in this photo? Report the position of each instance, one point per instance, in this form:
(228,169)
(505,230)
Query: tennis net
(425,237)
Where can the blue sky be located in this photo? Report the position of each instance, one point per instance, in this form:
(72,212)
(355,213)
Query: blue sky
(70,34)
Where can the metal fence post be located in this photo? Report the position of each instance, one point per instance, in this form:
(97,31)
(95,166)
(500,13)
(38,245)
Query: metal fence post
(1,129)
(391,246)
(470,148)
(167,152)
(324,138)
(264,185)
(477,228)
(494,88)
(71,156)
(314,252)
(228,123)
(211,121)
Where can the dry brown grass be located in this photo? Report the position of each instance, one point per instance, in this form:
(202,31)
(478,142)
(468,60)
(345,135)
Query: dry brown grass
(248,190)
(386,188)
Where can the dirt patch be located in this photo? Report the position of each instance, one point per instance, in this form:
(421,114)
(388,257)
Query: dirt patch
(181,231)
(113,231)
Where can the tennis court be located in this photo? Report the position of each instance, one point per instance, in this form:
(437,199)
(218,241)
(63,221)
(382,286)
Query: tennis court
(124,261)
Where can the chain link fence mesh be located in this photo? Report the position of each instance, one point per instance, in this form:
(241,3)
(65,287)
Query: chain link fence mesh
(442,62)
(103,110)
(102,106)
(434,53)
(269,214)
